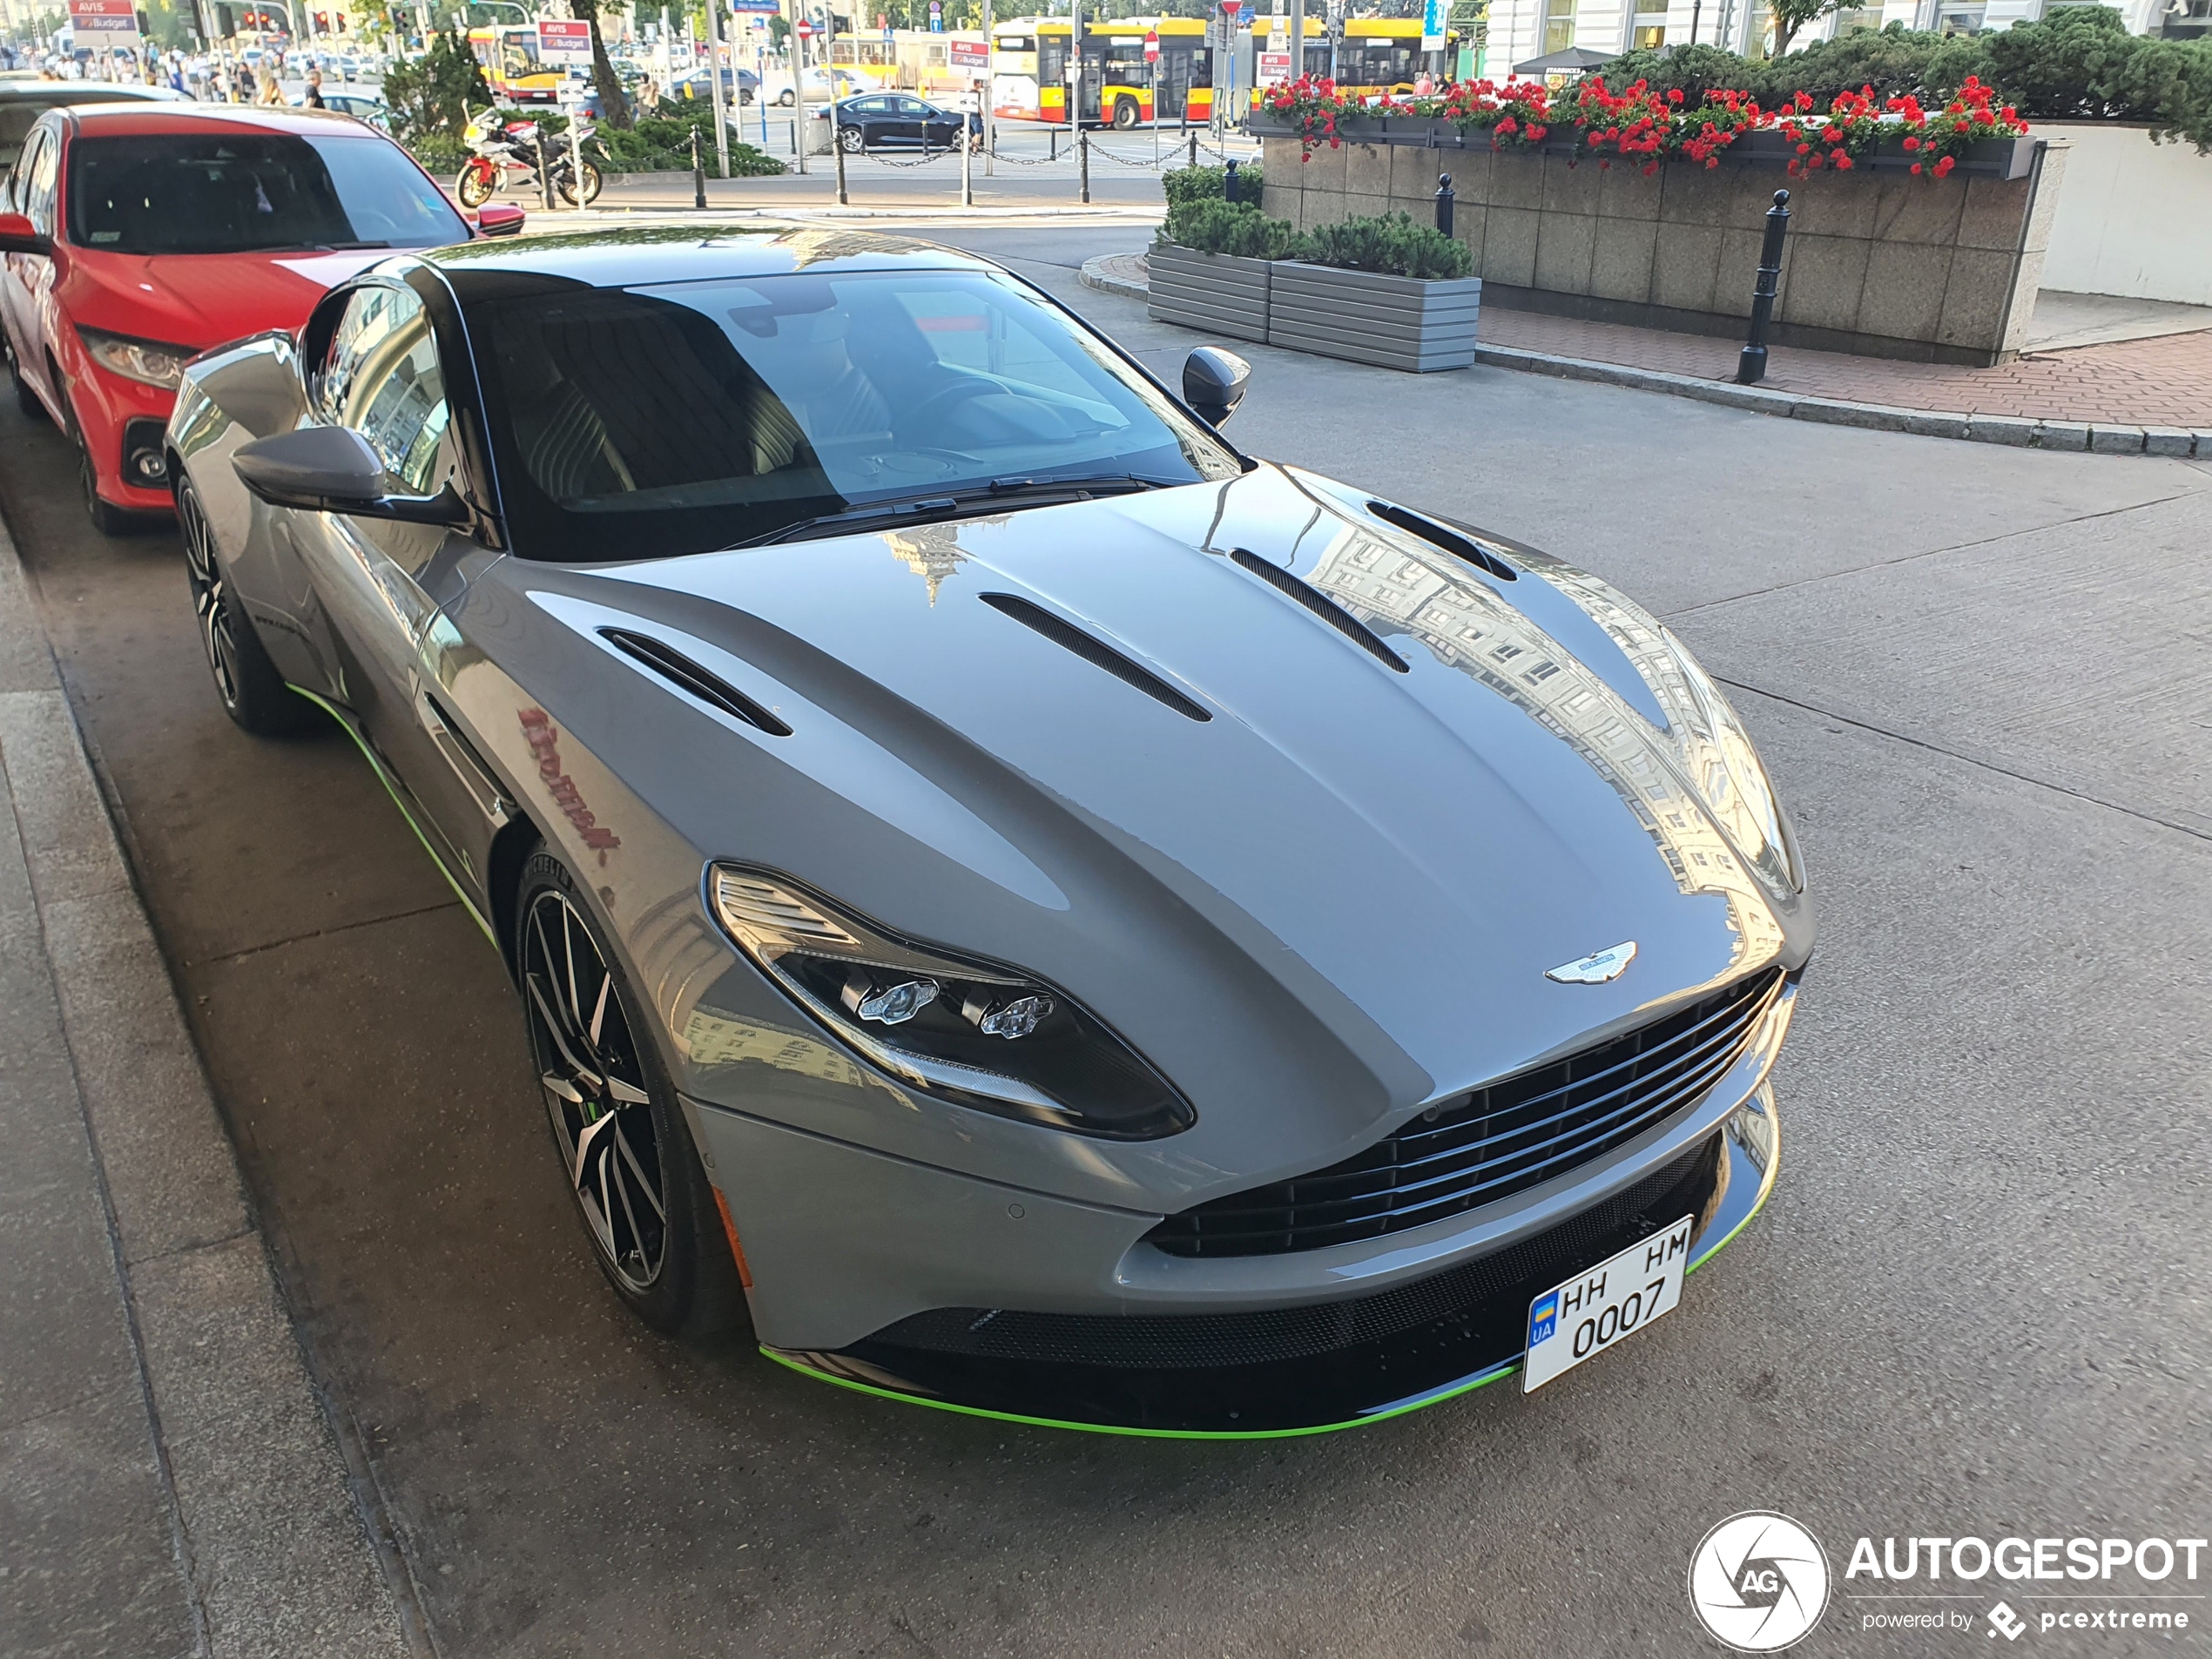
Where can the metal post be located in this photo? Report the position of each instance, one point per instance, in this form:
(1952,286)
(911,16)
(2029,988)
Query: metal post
(798,92)
(699,173)
(990,115)
(1444,203)
(1750,367)
(1052,140)
(1298,38)
(1194,142)
(1696,7)
(837,149)
(714,85)
(575,152)
(966,164)
(544,164)
(1228,181)
(1082,164)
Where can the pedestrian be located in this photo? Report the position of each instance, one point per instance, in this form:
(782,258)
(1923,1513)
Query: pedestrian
(272,90)
(313,97)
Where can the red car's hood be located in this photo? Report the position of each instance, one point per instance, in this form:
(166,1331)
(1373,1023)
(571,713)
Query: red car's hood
(202,299)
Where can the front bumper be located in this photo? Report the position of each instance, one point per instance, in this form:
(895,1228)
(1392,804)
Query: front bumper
(1307,1369)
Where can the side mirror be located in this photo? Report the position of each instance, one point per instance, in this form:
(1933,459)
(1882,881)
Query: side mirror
(1213,383)
(17,236)
(332,469)
(499,219)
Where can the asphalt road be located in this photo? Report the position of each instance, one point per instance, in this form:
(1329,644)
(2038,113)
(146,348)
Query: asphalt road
(1976,1305)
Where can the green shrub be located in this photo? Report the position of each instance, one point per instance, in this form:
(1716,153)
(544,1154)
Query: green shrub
(1212,226)
(2079,64)
(434,95)
(662,144)
(440,156)
(1392,244)
(1184,184)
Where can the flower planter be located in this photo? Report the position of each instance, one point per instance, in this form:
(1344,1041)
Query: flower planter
(1392,322)
(1985,159)
(1213,292)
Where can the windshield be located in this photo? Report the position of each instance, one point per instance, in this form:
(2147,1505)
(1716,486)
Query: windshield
(641,423)
(19,111)
(243,192)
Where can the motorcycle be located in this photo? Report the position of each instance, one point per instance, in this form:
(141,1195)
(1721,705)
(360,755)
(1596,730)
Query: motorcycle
(498,148)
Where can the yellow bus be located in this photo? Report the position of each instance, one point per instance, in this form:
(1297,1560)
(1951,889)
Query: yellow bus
(509,53)
(1377,54)
(1119,87)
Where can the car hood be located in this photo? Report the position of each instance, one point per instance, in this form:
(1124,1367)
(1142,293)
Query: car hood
(204,299)
(1393,860)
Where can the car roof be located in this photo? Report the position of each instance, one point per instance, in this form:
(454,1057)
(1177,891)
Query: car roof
(635,255)
(58,93)
(120,120)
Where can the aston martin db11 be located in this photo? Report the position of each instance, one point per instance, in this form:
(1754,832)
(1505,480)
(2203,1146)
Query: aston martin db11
(1042,912)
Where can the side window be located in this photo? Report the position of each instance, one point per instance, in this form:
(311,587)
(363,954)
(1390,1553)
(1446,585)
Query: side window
(382,378)
(19,175)
(39,196)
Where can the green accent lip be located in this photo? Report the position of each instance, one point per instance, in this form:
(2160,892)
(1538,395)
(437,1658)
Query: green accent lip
(391,787)
(1450,1391)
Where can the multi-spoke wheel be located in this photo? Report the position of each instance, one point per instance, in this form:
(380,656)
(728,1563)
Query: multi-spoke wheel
(624,1148)
(254,693)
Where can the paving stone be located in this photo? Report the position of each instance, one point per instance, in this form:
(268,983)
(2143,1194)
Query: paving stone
(2013,429)
(2062,434)
(2168,440)
(2116,440)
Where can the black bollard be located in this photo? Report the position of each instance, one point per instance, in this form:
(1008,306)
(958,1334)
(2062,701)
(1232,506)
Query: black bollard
(1082,163)
(1444,203)
(1228,183)
(1750,366)
(698,172)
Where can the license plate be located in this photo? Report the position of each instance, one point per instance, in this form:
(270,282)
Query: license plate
(1595,1310)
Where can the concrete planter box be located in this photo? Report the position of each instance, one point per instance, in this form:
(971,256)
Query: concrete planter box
(1392,322)
(1214,293)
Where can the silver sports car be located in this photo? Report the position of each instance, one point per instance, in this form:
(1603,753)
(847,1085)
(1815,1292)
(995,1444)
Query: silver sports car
(1048,914)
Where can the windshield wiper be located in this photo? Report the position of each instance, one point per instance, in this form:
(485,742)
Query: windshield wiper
(944,505)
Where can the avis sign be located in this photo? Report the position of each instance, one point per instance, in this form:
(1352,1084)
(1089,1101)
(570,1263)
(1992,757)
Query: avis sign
(112,20)
(561,42)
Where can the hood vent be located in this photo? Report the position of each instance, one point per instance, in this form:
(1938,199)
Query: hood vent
(685,675)
(1067,637)
(1450,540)
(1322,606)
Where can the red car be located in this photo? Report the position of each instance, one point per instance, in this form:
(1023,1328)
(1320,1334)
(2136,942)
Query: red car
(142,236)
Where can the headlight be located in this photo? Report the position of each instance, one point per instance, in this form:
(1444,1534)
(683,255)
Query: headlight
(144,361)
(1723,768)
(956,1027)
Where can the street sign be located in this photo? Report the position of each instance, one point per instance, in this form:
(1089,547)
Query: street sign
(968,52)
(1433,13)
(561,42)
(1231,7)
(806,30)
(112,19)
(1273,67)
(936,17)
(1152,47)
(768,7)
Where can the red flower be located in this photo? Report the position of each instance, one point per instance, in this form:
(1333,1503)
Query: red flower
(1916,166)
(1843,163)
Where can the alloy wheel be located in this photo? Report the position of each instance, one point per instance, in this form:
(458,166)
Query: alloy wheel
(594,1090)
(210,604)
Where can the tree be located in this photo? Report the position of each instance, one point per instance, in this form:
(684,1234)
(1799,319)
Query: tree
(615,106)
(431,96)
(1791,15)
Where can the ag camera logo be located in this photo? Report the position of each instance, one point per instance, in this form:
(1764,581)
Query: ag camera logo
(1758,1582)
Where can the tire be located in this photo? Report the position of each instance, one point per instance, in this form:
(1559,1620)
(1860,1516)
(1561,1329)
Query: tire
(476,183)
(1124,113)
(107,516)
(26,395)
(786,98)
(253,694)
(852,140)
(566,185)
(617,1128)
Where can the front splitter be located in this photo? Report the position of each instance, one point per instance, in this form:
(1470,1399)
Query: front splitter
(1478,1343)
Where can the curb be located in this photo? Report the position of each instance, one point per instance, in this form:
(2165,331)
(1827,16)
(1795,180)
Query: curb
(278,1545)
(2177,443)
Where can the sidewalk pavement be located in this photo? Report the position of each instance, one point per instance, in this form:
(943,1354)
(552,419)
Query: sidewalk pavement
(2147,396)
(170,1483)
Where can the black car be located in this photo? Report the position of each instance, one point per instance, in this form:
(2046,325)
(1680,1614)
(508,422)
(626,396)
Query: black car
(888,120)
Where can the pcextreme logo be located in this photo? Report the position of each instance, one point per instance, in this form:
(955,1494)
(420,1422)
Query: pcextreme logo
(1758,1582)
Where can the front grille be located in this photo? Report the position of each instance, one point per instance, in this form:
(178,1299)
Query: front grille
(1493,1289)
(1491,1144)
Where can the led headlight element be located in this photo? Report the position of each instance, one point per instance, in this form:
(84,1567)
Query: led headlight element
(146,361)
(961,1028)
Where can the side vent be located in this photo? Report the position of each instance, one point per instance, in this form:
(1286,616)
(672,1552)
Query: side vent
(1450,540)
(685,675)
(1322,606)
(1097,652)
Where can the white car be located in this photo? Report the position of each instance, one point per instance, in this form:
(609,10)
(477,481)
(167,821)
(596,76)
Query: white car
(821,85)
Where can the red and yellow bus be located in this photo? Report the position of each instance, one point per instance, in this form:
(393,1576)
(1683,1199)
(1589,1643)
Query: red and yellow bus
(509,53)
(1117,87)
(1377,54)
